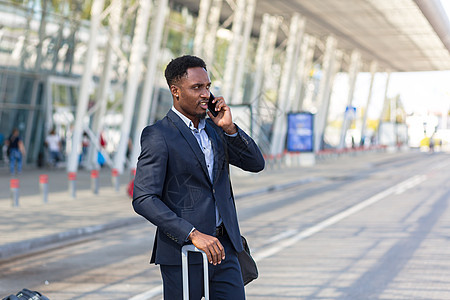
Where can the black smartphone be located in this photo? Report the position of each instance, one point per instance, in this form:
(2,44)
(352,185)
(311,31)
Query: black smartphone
(212,106)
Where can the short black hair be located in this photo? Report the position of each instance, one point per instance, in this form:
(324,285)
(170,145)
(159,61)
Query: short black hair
(178,67)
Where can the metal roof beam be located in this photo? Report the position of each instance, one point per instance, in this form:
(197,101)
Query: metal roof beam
(434,12)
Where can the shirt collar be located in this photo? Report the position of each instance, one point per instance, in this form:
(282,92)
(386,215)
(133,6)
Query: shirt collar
(188,122)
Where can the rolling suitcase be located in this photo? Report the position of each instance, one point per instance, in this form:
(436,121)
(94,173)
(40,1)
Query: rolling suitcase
(185,266)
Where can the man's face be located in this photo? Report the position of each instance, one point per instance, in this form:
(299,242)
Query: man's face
(191,94)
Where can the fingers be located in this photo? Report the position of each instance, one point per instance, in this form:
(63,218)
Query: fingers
(211,246)
(214,251)
(217,253)
(220,102)
(223,118)
(222,109)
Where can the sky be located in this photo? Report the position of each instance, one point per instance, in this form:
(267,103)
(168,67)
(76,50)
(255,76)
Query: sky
(423,92)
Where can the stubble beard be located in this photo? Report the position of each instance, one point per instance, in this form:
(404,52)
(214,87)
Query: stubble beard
(201,116)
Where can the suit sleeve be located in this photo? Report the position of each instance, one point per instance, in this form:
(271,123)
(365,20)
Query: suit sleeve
(149,184)
(243,152)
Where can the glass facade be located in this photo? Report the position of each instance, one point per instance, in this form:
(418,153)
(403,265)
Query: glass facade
(43,46)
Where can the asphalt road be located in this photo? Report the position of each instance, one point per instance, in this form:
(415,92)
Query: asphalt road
(360,229)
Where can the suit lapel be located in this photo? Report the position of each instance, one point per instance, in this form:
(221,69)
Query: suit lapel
(190,139)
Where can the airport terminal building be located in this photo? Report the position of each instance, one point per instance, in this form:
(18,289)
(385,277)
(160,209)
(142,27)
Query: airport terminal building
(96,68)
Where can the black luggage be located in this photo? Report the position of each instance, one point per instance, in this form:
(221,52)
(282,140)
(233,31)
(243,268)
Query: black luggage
(26,294)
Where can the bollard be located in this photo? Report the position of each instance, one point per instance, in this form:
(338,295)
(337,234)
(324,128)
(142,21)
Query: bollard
(115,179)
(43,185)
(14,185)
(72,176)
(130,186)
(94,181)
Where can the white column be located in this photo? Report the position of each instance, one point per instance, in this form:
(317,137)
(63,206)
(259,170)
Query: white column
(154,108)
(241,60)
(393,112)
(149,82)
(210,38)
(48,105)
(373,70)
(200,29)
(306,96)
(30,130)
(259,74)
(133,79)
(300,82)
(86,84)
(445,113)
(230,64)
(189,26)
(296,66)
(276,22)
(279,127)
(352,75)
(385,104)
(105,80)
(385,99)
(323,95)
(393,108)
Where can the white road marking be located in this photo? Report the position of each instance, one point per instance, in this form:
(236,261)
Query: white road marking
(298,236)
(397,189)
(149,294)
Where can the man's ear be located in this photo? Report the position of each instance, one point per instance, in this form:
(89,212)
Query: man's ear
(175,91)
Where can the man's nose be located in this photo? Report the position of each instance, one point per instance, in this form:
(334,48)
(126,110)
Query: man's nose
(205,93)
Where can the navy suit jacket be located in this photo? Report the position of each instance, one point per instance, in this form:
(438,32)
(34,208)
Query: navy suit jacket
(172,188)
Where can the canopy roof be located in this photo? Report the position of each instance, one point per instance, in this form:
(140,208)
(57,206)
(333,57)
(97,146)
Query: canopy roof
(401,35)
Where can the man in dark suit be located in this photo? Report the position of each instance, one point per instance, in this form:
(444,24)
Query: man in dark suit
(182,184)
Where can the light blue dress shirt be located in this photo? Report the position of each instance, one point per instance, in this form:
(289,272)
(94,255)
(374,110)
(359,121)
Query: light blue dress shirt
(206,146)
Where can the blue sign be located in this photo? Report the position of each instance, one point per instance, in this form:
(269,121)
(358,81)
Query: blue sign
(300,132)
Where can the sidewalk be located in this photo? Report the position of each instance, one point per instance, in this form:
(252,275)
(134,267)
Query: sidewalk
(35,225)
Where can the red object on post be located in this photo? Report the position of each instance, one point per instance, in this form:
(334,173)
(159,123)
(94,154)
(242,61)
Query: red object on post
(115,172)
(43,178)
(130,188)
(72,176)
(94,174)
(14,183)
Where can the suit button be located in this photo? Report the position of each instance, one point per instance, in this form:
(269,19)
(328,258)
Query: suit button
(214,191)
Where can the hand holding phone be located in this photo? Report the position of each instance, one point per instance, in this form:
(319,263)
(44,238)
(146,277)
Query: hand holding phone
(212,106)
(225,121)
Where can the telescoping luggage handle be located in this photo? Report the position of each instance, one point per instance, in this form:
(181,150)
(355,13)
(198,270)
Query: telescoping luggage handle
(184,261)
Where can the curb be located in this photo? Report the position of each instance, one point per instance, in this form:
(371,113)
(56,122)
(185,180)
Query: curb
(33,245)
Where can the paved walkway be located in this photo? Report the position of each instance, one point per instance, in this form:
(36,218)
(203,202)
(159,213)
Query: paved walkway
(34,225)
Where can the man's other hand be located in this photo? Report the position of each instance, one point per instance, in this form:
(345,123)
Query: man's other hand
(210,245)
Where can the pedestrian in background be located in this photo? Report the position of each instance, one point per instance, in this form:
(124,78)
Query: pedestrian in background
(53,144)
(2,141)
(84,147)
(15,151)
